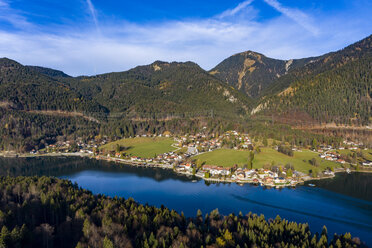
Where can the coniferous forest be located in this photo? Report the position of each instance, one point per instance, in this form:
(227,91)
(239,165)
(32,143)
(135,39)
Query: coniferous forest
(248,93)
(50,212)
(38,105)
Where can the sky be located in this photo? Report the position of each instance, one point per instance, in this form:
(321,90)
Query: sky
(88,37)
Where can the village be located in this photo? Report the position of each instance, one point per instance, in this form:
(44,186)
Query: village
(184,158)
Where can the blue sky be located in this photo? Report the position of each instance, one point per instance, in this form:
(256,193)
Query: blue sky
(95,36)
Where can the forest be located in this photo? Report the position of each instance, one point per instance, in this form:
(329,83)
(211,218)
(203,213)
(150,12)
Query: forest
(50,212)
(24,131)
(341,95)
(40,105)
(332,88)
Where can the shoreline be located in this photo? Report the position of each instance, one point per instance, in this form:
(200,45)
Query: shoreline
(170,167)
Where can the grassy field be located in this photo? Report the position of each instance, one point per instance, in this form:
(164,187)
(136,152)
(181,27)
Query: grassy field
(366,153)
(300,160)
(224,157)
(144,147)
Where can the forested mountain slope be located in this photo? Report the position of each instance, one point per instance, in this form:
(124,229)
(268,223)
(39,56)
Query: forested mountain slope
(39,104)
(48,71)
(167,88)
(336,87)
(181,97)
(30,88)
(163,90)
(252,72)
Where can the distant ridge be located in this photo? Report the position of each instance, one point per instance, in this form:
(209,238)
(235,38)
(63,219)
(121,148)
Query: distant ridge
(38,104)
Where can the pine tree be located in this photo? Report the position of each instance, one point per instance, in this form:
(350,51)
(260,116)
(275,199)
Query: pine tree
(107,243)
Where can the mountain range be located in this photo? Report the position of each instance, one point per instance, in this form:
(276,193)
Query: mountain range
(332,88)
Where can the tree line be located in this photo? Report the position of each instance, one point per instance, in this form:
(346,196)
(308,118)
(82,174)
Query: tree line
(50,212)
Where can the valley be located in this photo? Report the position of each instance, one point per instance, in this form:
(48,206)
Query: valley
(272,136)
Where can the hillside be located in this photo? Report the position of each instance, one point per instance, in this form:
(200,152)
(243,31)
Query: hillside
(38,105)
(30,88)
(163,90)
(335,87)
(48,71)
(252,72)
(182,97)
(332,88)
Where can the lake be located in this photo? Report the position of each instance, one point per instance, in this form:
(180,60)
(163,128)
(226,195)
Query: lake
(343,204)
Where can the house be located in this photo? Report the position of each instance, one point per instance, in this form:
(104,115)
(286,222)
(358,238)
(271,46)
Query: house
(216,170)
(262,176)
(188,167)
(134,158)
(268,180)
(367,163)
(328,173)
(167,134)
(249,173)
(240,175)
(192,150)
(225,171)
(279,180)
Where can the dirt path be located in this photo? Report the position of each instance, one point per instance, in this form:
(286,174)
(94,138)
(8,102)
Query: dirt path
(63,113)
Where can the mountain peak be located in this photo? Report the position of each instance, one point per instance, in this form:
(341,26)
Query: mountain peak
(249,71)
(48,71)
(9,63)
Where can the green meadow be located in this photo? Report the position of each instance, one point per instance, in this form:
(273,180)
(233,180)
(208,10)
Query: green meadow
(144,147)
(300,160)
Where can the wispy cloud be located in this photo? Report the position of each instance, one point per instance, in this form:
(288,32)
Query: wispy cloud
(93,12)
(3,3)
(296,15)
(14,17)
(123,45)
(234,11)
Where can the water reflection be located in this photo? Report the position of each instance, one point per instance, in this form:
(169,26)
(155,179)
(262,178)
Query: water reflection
(64,166)
(343,204)
(357,185)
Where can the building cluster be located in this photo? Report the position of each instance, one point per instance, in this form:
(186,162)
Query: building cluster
(331,156)
(200,142)
(241,175)
(351,145)
(165,158)
(69,146)
(191,145)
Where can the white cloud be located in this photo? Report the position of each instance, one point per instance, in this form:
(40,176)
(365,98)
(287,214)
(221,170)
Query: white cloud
(14,17)
(121,46)
(234,11)
(93,12)
(296,15)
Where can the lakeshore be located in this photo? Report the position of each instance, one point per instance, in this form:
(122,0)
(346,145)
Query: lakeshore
(230,157)
(342,203)
(255,180)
